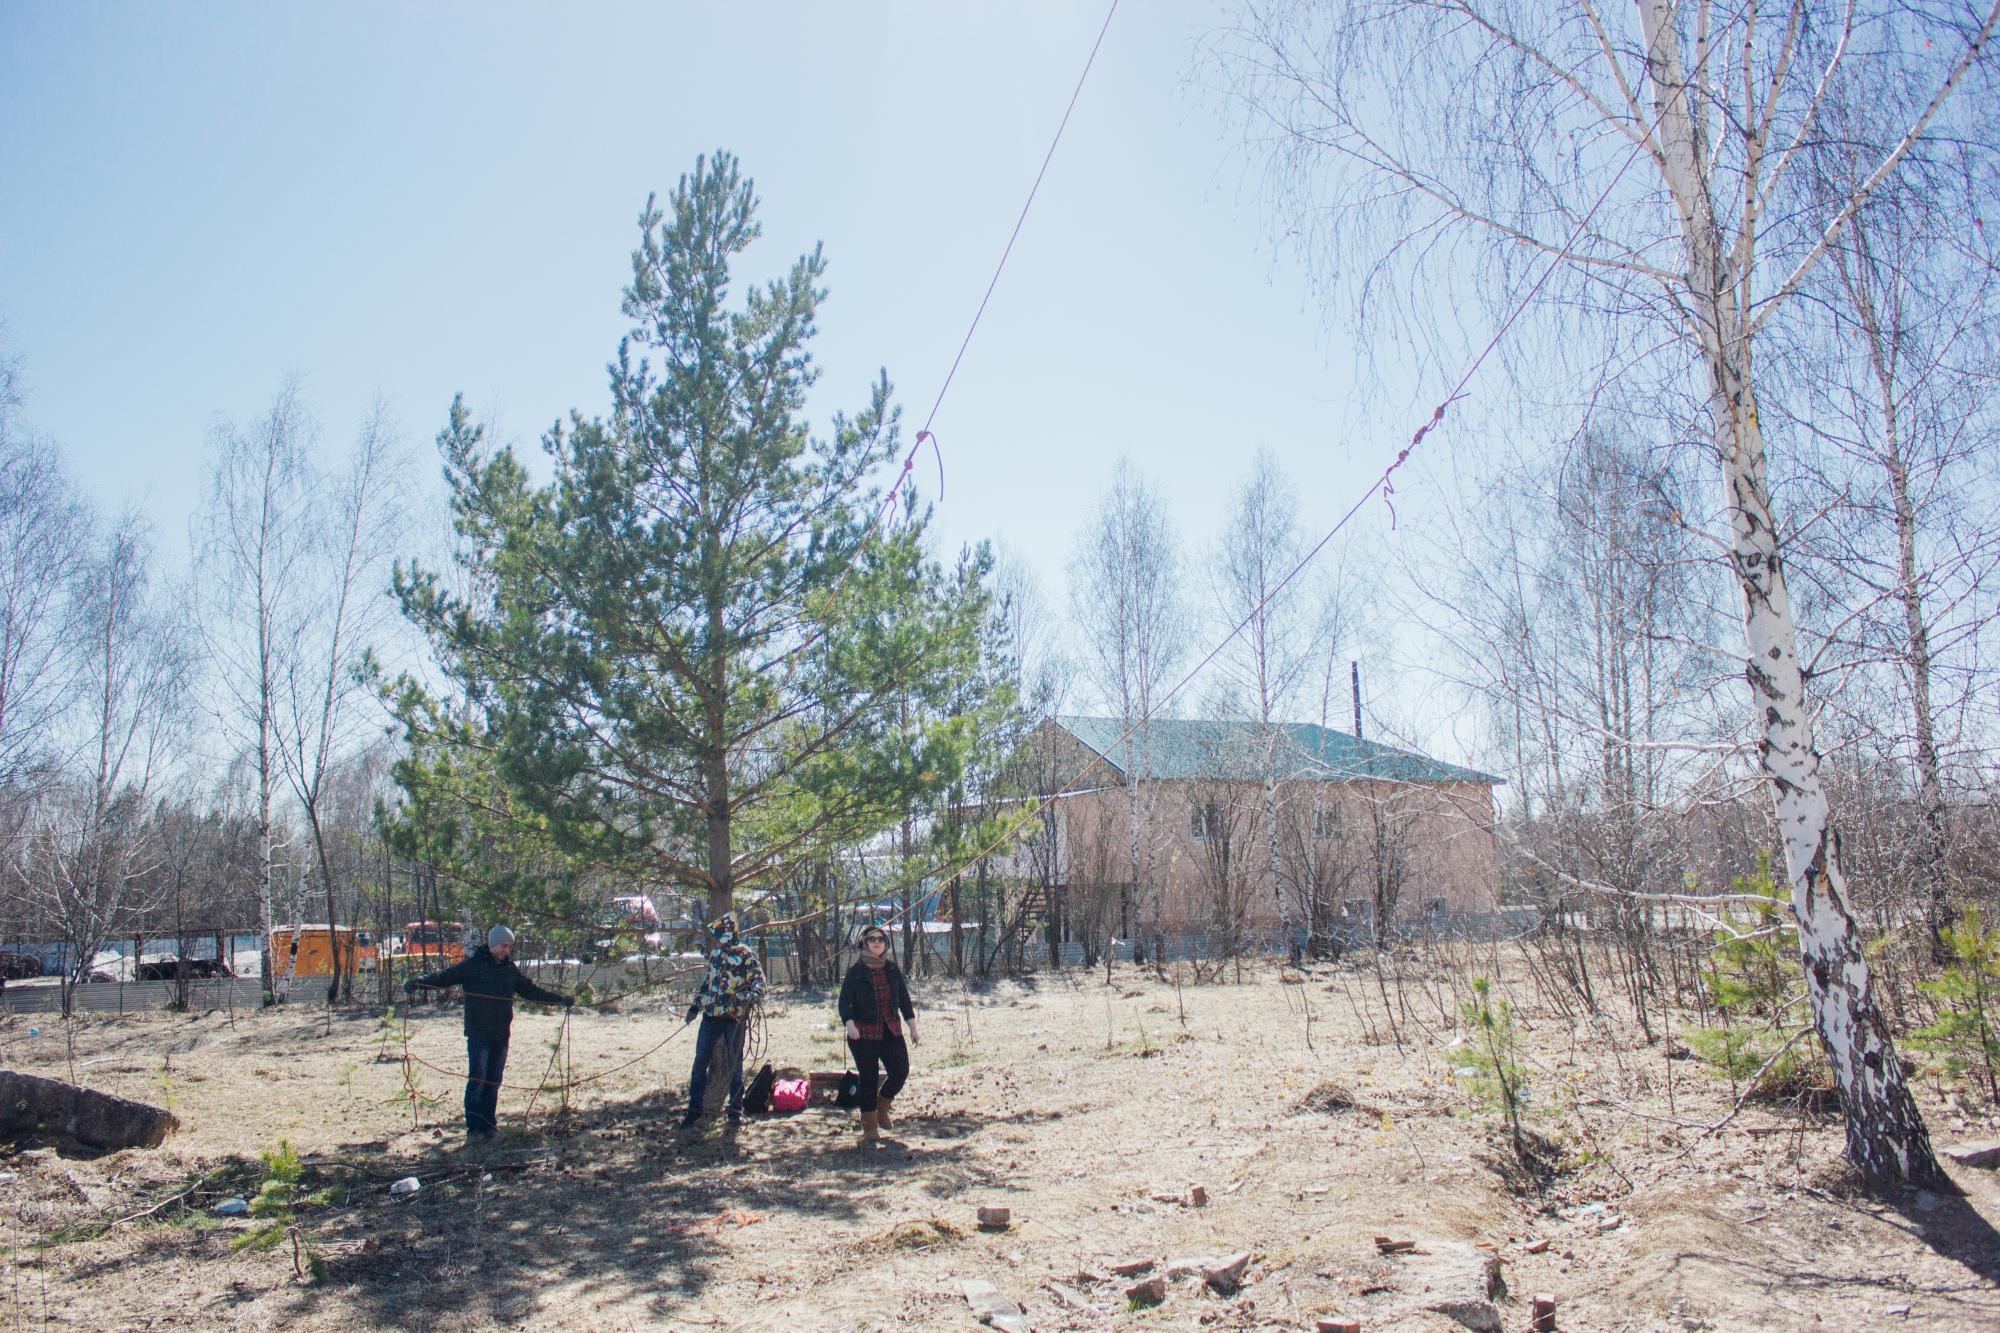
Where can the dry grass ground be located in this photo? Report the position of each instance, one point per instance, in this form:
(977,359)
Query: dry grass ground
(1067,1100)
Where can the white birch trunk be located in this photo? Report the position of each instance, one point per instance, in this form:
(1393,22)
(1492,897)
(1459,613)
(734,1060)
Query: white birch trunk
(1276,869)
(1886,1137)
(264,762)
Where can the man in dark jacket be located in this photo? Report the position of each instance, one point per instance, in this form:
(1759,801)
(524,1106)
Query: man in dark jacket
(728,994)
(491,982)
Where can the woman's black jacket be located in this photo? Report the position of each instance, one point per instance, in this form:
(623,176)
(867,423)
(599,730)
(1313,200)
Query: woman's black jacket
(857,995)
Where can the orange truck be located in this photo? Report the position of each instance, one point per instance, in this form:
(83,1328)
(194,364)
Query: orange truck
(434,943)
(312,953)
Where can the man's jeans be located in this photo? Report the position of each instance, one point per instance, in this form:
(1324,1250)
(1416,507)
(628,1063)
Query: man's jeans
(712,1032)
(485,1062)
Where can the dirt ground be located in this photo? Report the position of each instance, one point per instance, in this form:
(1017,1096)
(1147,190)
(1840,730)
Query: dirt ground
(1072,1102)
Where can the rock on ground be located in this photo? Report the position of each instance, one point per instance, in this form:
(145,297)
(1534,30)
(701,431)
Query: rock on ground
(29,1104)
(1458,1281)
(1985,1154)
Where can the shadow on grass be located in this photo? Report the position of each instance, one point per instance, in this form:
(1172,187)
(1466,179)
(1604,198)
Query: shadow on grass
(612,1204)
(1956,1230)
(1944,1220)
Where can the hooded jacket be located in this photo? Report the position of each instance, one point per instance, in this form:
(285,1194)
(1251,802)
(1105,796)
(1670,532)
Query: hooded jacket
(734,983)
(490,987)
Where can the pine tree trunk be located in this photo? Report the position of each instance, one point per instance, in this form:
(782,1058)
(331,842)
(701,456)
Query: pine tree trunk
(721,888)
(715,759)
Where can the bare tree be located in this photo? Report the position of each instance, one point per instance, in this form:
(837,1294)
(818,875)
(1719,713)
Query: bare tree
(44,532)
(339,607)
(1318,849)
(1387,858)
(1622,170)
(1125,600)
(252,559)
(88,847)
(1894,381)
(1027,637)
(1044,674)
(1287,631)
(203,856)
(1224,817)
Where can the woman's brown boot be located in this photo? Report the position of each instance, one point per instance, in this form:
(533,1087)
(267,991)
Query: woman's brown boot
(869,1137)
(882,1112)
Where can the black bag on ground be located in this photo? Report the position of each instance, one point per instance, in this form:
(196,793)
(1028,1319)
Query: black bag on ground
(849,1094)
(757,1097)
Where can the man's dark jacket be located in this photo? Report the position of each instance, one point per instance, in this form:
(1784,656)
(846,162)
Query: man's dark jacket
(857,995)
(490,987)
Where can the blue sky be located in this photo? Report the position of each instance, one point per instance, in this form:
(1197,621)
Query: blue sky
(413,200)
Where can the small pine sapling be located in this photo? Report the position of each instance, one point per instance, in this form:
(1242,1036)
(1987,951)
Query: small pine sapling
(1964,1039)
(1750,979)
(1497,1078)
(276,1210)
(392,1036)
(163,1083)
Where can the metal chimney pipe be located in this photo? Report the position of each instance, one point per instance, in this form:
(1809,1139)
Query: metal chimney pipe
(1355,670)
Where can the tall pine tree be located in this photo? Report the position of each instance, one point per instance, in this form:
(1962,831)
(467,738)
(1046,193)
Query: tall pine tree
(693,648)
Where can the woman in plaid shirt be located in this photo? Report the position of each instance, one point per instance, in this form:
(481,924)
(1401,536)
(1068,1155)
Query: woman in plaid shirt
(875,1005)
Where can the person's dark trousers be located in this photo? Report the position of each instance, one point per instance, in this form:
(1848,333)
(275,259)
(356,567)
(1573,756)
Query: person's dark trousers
(872,1059)
(485,1062)
(713,1032)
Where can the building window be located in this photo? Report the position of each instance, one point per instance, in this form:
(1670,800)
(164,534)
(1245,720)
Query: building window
(1205,821)
(1326,823)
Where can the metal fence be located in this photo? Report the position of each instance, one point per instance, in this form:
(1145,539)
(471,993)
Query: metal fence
(678,976)
(672,977)
(121,997)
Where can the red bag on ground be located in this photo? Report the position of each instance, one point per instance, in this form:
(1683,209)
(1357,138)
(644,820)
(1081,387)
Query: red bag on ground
(791,1094)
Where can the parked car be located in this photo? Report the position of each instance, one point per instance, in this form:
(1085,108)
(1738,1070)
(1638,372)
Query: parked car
(635,911)
(168,969)
(19,966)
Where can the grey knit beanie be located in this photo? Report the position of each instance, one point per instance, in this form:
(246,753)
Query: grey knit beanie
(498,936)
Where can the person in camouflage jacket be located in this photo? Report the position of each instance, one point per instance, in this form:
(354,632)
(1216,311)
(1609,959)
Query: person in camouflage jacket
(727,996)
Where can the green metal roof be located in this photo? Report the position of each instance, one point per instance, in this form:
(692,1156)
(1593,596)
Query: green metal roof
(1173,749)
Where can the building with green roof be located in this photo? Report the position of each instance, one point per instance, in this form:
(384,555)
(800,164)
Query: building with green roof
(1234,828)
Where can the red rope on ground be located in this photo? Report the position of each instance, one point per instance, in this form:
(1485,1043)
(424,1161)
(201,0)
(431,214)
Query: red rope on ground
(569,1081)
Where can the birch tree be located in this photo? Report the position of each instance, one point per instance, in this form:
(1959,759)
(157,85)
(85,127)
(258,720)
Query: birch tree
(1287,631)
(252,550)
(336,609)
(1894,381)
(89,844)
(1131,621)
(44,527)
(1618,170)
